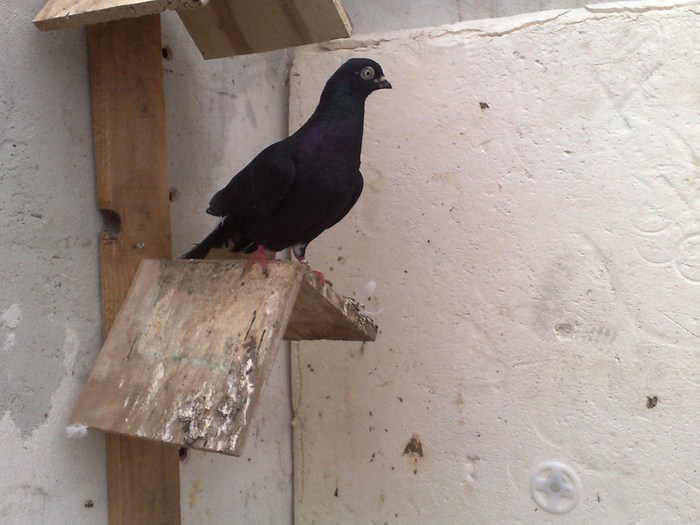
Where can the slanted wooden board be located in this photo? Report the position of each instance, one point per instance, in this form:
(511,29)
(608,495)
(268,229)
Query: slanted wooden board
(57,14)
(193,344)
(235,27)
(320,313)
(220,28)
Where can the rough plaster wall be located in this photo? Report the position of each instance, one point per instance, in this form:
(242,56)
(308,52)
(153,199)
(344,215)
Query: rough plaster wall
(389,15)
(537,270)
(220,114)
(49,304)
(49,298)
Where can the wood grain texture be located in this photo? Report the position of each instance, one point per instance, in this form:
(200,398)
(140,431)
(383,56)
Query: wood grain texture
(128,113)
(142,488)
(320,313)
(194,343)
(58,14)
(234,27)
(220,28)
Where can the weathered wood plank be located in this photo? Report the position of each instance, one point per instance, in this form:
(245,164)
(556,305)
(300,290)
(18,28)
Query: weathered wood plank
(194,342)
(58,14)
(234,27)
(139,492)
(220,28)
(128,114)
(131,161)
(189,353)
(320,313)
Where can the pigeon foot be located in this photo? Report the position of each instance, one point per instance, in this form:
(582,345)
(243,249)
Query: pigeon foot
(320,278)
(259,257)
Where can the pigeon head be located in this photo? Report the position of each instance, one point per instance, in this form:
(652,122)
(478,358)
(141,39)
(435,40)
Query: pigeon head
(360,76)
(364,75)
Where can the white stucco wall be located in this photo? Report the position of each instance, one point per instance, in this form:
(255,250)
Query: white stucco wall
(219,115)
(49,303)
(388,15)
(537,273)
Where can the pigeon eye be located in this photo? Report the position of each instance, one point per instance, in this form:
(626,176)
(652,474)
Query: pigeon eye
(367,73)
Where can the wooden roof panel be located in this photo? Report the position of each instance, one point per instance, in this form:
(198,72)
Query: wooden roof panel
(219,28)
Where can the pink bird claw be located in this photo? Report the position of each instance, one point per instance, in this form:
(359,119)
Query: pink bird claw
(320,278)
(259,257)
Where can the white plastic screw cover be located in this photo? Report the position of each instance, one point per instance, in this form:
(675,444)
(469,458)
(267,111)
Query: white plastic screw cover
(555,487)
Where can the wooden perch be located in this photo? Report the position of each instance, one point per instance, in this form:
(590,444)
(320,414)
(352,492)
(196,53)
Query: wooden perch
(220,28)
(236,27)
(194,342)
(58,14)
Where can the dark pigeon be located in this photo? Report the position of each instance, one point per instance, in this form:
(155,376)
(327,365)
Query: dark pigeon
(298,187)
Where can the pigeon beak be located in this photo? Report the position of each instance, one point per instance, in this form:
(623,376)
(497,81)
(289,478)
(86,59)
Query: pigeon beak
(383,83)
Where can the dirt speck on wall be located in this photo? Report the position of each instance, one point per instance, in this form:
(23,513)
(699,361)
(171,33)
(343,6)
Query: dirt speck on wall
(414,447)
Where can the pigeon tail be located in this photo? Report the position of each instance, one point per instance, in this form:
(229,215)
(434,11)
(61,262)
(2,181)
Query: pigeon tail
(216,239)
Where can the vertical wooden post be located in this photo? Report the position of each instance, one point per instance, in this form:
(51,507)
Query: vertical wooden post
(128,113)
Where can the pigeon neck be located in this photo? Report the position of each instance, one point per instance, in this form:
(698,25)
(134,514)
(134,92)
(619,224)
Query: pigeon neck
(341,105)
(337,124)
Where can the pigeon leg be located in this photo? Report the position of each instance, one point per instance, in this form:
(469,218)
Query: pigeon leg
(299,251)
(320,278)
(259,257)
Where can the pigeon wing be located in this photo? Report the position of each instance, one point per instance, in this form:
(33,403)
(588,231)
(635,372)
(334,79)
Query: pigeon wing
(356,192)
(259,187)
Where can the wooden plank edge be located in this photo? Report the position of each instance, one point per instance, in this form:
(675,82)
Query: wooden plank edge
(217,35)
(48,20)
(358,325)
(344,18)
